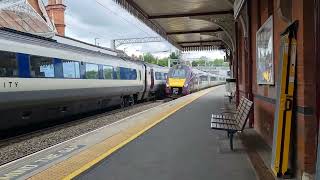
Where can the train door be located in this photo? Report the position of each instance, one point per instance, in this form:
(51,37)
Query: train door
(152,79)
(144,75)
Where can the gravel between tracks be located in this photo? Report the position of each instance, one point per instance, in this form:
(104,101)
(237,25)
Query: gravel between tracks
(23,146)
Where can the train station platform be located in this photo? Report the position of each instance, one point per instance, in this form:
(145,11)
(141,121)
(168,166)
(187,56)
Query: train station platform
(170,141)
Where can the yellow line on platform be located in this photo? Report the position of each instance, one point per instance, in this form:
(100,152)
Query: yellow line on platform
(122,144)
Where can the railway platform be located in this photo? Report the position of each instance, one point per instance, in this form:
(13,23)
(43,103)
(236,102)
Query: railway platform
(170,141)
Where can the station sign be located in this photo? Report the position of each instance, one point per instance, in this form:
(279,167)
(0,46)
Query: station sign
(237,6)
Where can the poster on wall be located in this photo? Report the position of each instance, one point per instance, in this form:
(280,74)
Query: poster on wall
(265,65)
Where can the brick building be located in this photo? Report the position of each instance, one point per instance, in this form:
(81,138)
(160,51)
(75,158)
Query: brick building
(56,10)
(253,14)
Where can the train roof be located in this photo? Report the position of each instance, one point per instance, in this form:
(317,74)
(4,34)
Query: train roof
(196,71)
(18,36)
(85,45)
(66,43)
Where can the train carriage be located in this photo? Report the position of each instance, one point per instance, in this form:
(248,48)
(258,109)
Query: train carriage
(42,80)
(183,80)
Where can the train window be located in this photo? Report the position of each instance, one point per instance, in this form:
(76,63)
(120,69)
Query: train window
(107,72)
(116,73)
(8,64)
(41,67)
(158,76)
(133,74)
(179,73)
(92,71)
(124,73)
(128,74)
(140,75)
(71,69)
(204,78)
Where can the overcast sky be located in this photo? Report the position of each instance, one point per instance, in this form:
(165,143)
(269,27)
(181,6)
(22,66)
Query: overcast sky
(106,20)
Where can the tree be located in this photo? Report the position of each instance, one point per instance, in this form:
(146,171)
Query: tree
(163,62)
(174,55)
(141,57)
(218,62)
(194,63)
(149,58)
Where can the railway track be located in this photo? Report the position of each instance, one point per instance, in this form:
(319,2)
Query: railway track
(18,146)
(63,124)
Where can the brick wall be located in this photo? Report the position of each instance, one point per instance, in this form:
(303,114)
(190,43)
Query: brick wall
(305,130)
(56,13)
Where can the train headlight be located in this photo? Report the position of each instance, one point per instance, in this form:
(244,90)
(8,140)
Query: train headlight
(167,85)
(186,85)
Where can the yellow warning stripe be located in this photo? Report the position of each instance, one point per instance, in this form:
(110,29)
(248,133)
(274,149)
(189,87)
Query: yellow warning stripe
(112,150)
(117,147)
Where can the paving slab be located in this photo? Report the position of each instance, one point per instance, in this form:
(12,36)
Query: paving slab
(181,147)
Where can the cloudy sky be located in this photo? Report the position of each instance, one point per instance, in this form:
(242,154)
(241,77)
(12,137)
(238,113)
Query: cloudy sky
(106,20)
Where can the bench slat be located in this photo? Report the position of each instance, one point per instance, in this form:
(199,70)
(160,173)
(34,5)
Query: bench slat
(233,122)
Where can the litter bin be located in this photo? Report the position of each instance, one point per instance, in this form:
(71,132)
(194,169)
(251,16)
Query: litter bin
(230,88)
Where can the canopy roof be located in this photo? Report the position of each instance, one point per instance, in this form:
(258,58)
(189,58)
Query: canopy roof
(188,24)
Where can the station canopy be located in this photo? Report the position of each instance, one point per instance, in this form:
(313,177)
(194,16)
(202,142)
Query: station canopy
(188,24)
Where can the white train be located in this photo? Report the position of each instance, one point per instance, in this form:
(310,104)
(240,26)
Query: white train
(43,80)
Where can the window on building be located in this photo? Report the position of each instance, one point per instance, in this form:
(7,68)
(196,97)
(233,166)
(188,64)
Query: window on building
(41,67)
(92,71)
(8,64)
(107,72)
(71,69)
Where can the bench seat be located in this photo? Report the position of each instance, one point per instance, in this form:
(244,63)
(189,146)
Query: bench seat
(232,122)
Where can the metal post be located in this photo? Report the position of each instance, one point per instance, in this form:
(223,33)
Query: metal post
(95,41)
(113,44)
(236,58)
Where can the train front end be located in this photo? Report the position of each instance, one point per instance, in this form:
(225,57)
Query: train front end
(178,81)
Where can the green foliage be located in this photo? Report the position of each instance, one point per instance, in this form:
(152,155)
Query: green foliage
(194,63)
(218,62)
(163,62)
(92,75)
(204,61)
(149,58)
(174,55)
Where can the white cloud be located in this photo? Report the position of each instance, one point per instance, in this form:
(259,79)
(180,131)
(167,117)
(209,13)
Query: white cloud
(106,20)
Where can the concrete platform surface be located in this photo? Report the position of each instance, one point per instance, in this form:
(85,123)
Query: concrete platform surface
(68,159)
(181,147)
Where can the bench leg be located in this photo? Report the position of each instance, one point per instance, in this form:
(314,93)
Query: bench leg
(231,140)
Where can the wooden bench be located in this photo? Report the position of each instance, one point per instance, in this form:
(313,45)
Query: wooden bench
(233,122)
